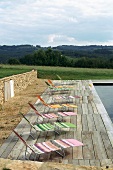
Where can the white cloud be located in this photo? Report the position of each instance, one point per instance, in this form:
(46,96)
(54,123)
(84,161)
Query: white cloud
(56,21)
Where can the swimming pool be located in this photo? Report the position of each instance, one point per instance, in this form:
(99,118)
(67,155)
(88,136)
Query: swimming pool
(105,93)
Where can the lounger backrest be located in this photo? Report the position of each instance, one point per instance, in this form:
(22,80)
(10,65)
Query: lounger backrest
(42,100)
(50,82)
(23,140)
(27,120)
(47,83)
(34,109)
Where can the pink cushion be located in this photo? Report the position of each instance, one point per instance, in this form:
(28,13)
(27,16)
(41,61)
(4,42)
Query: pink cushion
(48,116)
(73,142)
(50,146)
(61,113)
(71,97)
(70,113)
(62,143)
(42,147)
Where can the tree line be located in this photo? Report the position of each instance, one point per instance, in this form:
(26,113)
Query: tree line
(50,57)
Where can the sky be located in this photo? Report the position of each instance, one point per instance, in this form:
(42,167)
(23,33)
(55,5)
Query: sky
(56,22)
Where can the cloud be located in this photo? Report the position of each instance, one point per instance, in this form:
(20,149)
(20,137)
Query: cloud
(55,21)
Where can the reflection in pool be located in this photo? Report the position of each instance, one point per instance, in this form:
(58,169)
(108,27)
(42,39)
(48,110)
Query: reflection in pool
(105,93)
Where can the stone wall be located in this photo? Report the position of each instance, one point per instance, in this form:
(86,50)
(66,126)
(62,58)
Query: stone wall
(21,81)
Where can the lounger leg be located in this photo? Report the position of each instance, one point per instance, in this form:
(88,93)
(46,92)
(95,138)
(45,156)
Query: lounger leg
(57,130)
(31,133)
(26,153)
(61,153)
(59,119)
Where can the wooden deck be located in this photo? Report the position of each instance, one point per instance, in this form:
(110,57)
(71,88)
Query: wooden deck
(94,129)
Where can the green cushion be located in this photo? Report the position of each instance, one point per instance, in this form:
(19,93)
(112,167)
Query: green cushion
(67,124)
(45,127)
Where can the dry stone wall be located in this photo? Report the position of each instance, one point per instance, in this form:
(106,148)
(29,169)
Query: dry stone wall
(21,81)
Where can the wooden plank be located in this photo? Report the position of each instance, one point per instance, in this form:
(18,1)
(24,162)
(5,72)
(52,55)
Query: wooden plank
(90,109)
(94,108)
(106,163)
(78,151)
(79,122)
(91,123)
(79,109)
(107,144)
(110,135)
(12,144)
(84,108)
(88,151)
(87,162)
(73,119)
(17,148)
(6,146)
(94,162)
(81,162)
(99,123)
(84,123)
(84,162)
(98,146)
(85,100)
(75,162)
(69,151)
(105,117)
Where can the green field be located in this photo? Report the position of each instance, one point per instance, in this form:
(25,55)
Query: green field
(66,73)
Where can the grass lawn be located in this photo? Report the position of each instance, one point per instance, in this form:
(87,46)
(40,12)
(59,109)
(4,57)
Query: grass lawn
(66,73)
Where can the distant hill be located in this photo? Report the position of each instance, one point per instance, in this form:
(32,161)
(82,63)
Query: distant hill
(15,51)
(86,51)
(18,51)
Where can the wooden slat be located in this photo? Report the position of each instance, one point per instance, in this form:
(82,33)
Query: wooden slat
(69,156)
(106,119)
(84,108)
(106,163)
(107,144)
(90,109)
(110,134)
(99,123)
(94,162)
(98,146)
(79,122)
(75,162)
(85,100)
(78,151)
(91,123)
(5,148)
(84,162)
(94,108)
(79,109)
(88,151)
(84,123)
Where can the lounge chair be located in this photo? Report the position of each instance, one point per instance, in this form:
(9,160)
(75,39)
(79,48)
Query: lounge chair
(64,87)
(60,89)
(57,146)
(56,127)
(59,115)
(57,106)
(63,98)
(44,115)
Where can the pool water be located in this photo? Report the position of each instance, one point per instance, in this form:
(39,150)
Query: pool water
(105,93)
